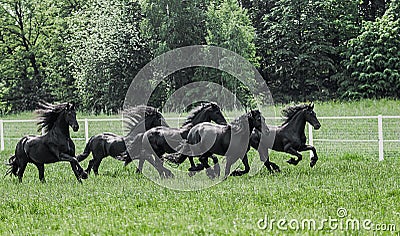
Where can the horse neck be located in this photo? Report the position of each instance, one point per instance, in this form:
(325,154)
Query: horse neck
(297,122)
(139,128)
(199,118)
(248,127)
(60,126)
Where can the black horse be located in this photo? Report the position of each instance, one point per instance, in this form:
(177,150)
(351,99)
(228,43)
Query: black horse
(109,144)
(54,146)
(231,140)
(164,139)
(289,137)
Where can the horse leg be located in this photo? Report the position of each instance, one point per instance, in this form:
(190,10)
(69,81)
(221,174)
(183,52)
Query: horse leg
(193,166)
(289,149)
(21,170)
(217,168)
(229,162)
(139,169)
(96,165)
(314,158)
(275,167)
(268,165)
(76,168)
(90,166)
(40,167)
(98,156)
(246,170)
(204,163)
(157,163)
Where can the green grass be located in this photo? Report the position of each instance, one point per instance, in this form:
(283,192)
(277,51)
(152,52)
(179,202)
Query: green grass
(119,202)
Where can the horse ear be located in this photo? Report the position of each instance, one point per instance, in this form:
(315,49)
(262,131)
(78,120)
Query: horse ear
(71,106)
(311,105)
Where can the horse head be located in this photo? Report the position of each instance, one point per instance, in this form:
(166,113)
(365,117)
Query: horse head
(311,116)
(258,121)
(70,116)
(205,113)
(215,114)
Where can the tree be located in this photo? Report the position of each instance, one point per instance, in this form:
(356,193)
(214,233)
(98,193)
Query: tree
(26,39)
(171,24)
(373,59)
(229,26)
(370,10)
(107,52)
(301,47)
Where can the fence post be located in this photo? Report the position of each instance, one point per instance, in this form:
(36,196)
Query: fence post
(380,137)
(310,138)
(86,130)
(122,123)
(1,136)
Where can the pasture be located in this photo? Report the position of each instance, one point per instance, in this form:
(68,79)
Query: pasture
(119,201)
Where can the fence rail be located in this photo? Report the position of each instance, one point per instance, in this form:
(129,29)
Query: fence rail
(371,131)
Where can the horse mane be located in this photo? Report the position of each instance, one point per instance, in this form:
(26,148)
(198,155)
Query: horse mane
(48,114)
(289,112)
(238,123)
(133,116)
(195,111)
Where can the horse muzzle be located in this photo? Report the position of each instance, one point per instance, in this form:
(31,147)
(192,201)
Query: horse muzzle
(75,127)
(317,126)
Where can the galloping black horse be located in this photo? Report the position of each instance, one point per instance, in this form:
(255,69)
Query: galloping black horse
(164,139)
(109,144)
(56,145)
(289,137)
(231,140)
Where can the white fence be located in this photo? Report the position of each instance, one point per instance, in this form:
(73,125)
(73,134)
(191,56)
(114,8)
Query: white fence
(365,135)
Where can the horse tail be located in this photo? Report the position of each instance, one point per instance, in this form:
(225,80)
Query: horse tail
(13,163)
(87,150)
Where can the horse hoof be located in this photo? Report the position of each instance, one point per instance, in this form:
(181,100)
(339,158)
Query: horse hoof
(217,172)
(196,168)
(84,175)
(168,174)
(312,163)
(192,173)
(292,161)
(210,173)
(237,173)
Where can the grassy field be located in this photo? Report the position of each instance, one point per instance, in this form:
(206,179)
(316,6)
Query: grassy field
(119,202)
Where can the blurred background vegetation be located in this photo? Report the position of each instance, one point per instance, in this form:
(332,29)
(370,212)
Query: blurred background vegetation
(89,51)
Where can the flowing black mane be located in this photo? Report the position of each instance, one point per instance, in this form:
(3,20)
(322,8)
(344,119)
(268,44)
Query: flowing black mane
(136,115)
(48,114)
(289,112)
(197,110)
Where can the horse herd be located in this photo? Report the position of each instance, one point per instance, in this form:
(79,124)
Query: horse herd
(149,138)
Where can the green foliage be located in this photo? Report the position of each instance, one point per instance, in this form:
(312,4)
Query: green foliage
(302,47)
(89,51)
(106,52)
(229,26)
(171,24)
(30,46)
(373,59)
